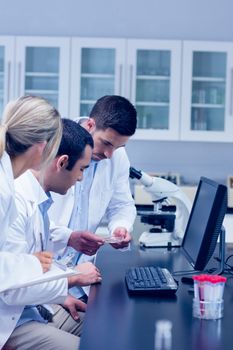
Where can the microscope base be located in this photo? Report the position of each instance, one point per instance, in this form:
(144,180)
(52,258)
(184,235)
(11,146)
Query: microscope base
(164,239)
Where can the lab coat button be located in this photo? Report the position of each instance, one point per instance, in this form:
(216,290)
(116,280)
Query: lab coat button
(13,318)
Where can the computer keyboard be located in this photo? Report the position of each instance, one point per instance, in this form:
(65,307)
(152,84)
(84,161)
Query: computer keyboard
(150,280)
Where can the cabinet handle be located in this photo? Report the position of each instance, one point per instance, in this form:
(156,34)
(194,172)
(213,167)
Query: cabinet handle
(231,93)
(19,79)
(8,80)
(120,79)
(130,81)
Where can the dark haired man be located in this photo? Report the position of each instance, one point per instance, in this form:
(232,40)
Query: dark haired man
(32,232)
(104,191)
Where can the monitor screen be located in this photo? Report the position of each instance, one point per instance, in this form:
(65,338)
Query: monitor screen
(205,222)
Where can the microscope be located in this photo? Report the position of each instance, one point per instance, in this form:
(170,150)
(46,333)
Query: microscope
(170,215)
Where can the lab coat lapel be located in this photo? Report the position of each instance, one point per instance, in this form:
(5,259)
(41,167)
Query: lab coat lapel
(34,195)
(67,209)
(7,170)
(35,239)
(94,201)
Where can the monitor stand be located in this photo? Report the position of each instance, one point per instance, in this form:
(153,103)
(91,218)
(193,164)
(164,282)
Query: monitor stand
(221,254)
(221,259)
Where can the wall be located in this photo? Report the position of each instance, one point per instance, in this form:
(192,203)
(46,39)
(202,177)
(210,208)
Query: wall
(190,159)
(170,19)
(158,19)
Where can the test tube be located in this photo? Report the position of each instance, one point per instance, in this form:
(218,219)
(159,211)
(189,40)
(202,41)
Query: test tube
(163,335)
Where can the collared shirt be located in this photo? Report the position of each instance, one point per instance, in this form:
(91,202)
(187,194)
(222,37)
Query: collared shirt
(79,217)
(30,312)
(22,241)
(44,201)
(44,207)
(31,222)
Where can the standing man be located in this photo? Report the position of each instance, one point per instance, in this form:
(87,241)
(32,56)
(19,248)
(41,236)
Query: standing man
(104,191)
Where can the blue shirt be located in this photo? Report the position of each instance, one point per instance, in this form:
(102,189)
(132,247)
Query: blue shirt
(79,217)
(44,207)
(30,312)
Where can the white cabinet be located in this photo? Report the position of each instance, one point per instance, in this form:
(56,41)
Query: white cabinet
(207,97)
(97,69)
(6,70)
(145,71)
(153,83)
(181,90)
(36,66)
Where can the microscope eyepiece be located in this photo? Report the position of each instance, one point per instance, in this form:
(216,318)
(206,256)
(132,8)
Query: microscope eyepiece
(133,173)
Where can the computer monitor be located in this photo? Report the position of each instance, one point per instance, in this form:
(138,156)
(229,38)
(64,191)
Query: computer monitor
(205,223)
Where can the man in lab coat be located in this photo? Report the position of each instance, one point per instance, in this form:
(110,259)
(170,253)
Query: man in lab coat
(104,191)
(31,232)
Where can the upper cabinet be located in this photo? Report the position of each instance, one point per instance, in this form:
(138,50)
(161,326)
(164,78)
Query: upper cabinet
(153,86)
(6,70)
(97,69)
(207,97)
(181,90)
(35,66)
(145,71)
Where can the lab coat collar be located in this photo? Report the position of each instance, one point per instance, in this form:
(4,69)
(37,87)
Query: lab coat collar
(7,167)
(35,193)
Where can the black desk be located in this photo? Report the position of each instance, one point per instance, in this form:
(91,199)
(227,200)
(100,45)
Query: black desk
(117,321)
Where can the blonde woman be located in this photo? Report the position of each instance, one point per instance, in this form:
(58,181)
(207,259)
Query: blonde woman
(30,134)
(29,137)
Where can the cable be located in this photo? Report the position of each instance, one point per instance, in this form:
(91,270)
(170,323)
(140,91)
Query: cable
(227,270)
(185,272)
(230,256)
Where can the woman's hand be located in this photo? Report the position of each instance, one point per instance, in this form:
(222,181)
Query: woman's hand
(45,259)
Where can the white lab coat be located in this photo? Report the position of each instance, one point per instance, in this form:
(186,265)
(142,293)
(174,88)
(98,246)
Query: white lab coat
(12,303)
(110,196)
(24,237)
(13,266)
(25,232)
(8,211)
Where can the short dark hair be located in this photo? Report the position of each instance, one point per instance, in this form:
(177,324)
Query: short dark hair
(115,112)
(74,140)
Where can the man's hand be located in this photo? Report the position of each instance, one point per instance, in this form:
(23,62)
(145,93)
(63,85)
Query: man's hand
(90,274)
(85,242)
(45,259)
(72,305)
(124,234)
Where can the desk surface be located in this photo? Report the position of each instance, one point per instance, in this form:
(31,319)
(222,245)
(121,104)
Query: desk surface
(117,321)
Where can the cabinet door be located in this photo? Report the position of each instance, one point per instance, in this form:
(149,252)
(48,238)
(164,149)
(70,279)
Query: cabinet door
(6,70)
(207,98)
(154,87)
(97,69)
(42,69)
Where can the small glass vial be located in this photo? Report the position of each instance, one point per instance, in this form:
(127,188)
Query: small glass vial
(163,335)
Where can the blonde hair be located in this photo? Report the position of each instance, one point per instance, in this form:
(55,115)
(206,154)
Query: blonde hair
(27,121)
